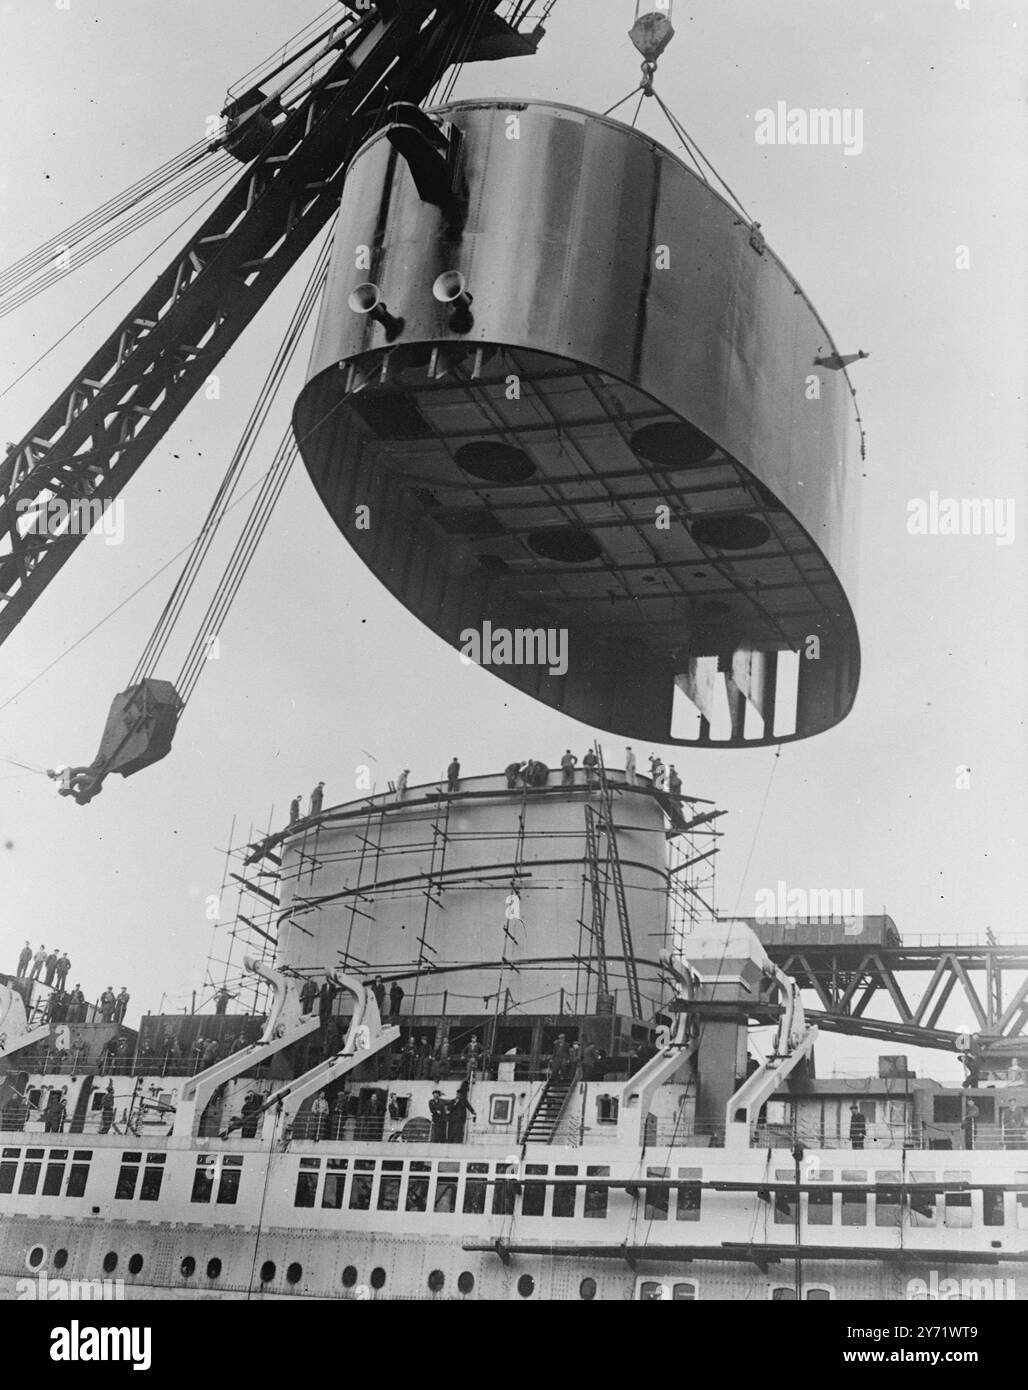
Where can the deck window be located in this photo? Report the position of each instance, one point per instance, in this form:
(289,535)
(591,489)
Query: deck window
(607,1110)
(417,1186)
(363,1182)
(1021,1205)
(887,1203)
(335,1184)
(820,1204)
(505,1193)
(228,1187)
(53,1179)
(690,1194)
(389,1187)
(784,1202)
(8,1169)
(923,1206)
(947,1110)
(993,1206)
(203,1178)
(128,1176)
(533,1202)
(307,1182)
(153,1176)
(957,1211)
(475,1189)
(854,1204)
(78,1173)
(596,1196)
(446,1187)
(29,1178)
(657,1198)
(564,1196)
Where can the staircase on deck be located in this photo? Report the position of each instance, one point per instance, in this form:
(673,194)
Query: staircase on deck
(547,1114)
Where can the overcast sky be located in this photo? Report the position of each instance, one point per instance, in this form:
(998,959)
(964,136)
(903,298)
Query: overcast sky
(320,667)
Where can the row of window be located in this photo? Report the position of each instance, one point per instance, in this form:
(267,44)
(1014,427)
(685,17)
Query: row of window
(367,1184)
(959,1210)
(63,1171)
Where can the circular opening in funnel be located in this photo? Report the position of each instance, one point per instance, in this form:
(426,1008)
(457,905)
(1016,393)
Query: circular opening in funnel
(495,463)
(673,444)
(740,532)
(566,544)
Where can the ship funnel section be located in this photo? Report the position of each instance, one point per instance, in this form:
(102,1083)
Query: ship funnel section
(589,442)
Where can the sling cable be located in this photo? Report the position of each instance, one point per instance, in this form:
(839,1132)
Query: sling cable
(142,719)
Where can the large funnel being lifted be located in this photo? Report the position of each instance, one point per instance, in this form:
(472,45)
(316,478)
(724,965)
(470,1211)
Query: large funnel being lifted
(560,386)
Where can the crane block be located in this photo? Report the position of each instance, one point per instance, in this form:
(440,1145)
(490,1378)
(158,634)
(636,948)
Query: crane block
(139,730)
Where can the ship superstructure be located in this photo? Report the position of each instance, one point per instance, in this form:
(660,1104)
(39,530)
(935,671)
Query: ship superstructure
(677,1154)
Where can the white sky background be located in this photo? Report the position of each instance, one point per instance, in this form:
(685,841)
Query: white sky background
(318,663)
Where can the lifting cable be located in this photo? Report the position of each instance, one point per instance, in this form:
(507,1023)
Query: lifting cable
(57,269)
(230,174)
(48,263)
(271,67)
(136,193)
(141,189)
(257,521)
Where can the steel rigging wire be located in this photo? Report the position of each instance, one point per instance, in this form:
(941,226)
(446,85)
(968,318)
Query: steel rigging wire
(113,235)
(256,523)
(262,485)
(144,187)
(130,197)
(229,176)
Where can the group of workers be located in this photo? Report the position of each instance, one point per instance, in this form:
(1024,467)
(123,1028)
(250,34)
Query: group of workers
(49,966)
(63,1005)
(317,799)
(528,773)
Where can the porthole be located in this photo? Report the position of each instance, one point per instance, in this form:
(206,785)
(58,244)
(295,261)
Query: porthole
(673,444)
(378,1278)
(570,545)
(294,1273)
(738,531)
(349,1276)
(495,462)
(188,1267)
(436,1280)
(526,1286)
(213,1268)
(587,1290)
(135,1264)
(466,1282)
(60,1258)
(36,1256)
(267,1271)
(110,1262)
